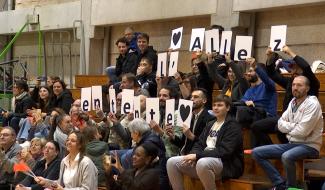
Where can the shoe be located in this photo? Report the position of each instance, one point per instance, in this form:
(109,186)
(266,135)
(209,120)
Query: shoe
(281,186)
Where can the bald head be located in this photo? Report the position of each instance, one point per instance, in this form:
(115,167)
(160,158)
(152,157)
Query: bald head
(300,87)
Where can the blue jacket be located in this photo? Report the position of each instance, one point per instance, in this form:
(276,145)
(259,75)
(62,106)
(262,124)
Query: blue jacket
(263,95)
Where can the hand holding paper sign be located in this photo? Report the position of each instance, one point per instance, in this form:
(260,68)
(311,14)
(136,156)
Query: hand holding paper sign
(288,51)
(269,52)
(154,126)
(251,61)
(187,132)
(228,58)
(170,131)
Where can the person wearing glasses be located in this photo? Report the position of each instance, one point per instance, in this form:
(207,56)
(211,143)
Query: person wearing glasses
(8,152)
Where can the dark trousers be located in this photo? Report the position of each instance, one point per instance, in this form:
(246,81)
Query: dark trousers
(260,130)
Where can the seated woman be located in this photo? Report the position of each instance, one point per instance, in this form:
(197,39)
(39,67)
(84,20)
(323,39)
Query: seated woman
(49,168)
(22,102)
(62,96)
(143,175)
(77,171)
(235,85)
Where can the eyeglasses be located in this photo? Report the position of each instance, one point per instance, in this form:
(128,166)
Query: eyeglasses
(5,134)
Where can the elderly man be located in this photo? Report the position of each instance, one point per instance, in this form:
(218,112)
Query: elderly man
(8,151)
(302,123)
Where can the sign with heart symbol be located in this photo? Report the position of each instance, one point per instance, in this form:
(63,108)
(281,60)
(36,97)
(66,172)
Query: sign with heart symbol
(184,112)
(176,38)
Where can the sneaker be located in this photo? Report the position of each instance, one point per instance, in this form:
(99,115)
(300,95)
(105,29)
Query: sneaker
(281,186)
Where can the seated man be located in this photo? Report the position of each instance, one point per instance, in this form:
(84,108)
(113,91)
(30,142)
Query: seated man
(303,124)
(146,77)
(8,152)
(260,99)
(218,154)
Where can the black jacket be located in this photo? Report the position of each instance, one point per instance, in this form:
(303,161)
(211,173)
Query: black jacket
(151,54)
(204,81)
(229,147)
(202,121)
(22,105)
(286,82)
(64,100)
(148,82)
(146,179)
(52,173)
(126,64)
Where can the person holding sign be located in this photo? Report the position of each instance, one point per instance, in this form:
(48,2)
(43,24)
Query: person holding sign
(146,77)
(166,93)
(260,100)
(218,153)
(235,84)
(199,120)
(200,71)
(299,67)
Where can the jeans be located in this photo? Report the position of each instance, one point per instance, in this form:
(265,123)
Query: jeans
(289,154)
(24,129)
(206,169)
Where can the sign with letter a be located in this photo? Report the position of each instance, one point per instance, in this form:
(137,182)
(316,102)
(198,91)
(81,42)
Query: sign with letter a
(197,39)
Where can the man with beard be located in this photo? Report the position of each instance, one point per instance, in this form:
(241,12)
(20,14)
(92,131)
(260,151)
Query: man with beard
(302,122)
(260,99)
(165,94)
(199,120)
(299,66)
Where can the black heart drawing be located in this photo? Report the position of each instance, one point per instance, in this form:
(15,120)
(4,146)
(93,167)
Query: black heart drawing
(176,37)
(184,111)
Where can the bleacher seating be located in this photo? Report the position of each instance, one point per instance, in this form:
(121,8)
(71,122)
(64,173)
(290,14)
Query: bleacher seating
(253,177)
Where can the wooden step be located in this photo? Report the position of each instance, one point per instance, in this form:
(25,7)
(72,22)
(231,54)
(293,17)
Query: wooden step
(246,182)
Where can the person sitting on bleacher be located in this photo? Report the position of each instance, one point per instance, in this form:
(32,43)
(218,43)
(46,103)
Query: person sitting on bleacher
(126,62)
(8,154)
(298,66)
(302,122)
(22,103)
(146,77)
(62,96)
(200,118)
(218,154)
(144,50)
(260,100)
(235,85)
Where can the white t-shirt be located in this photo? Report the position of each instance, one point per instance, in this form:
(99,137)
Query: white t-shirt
(70,171)
(213,135)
